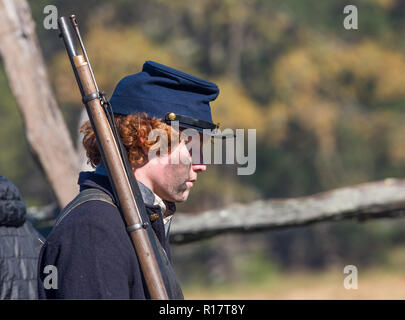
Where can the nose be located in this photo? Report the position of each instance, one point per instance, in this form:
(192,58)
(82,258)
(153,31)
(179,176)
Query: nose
(199,167)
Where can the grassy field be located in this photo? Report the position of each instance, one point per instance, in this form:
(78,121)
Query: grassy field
(386,282)
(373,284)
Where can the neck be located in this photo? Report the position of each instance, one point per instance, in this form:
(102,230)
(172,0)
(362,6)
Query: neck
(142,177)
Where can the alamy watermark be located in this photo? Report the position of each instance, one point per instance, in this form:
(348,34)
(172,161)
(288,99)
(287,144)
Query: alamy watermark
(51,20)
(350,22)
(51,280)
(208,147)
(351,280)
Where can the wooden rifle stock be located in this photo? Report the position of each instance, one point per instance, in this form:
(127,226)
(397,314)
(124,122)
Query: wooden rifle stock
(114,163)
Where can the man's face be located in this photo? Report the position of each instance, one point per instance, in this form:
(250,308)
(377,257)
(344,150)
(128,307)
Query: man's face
(173,175)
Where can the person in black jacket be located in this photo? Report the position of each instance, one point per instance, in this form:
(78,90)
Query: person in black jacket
(20,244)
(89,254)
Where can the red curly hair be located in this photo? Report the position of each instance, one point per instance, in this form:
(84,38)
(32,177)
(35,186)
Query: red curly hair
(134,130)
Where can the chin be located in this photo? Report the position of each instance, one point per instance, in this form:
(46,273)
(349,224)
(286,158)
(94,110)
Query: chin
(183,197)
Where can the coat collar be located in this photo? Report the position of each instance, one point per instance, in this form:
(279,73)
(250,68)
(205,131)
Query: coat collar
(95,179)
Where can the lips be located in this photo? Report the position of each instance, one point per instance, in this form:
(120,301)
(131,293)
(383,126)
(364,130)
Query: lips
(190,182)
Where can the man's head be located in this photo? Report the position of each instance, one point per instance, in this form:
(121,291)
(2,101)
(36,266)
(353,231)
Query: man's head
(148,102)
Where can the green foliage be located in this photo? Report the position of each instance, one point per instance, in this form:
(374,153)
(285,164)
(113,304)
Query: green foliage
(327,103)
(281,65)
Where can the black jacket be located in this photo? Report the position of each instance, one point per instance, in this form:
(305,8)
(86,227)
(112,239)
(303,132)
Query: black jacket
(19,246)
(93,253)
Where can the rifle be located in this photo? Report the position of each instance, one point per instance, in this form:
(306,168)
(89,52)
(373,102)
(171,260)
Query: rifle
(115,159)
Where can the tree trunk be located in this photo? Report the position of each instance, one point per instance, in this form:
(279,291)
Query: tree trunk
(46,131)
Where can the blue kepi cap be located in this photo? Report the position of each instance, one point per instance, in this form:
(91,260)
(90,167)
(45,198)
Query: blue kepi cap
(166,93)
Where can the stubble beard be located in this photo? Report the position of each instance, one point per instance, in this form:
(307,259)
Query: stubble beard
(181,189)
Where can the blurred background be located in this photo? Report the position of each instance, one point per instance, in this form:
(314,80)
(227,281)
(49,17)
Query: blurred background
(328,105)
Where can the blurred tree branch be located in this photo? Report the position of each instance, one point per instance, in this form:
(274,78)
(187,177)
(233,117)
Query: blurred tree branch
(46,130)
(366,201)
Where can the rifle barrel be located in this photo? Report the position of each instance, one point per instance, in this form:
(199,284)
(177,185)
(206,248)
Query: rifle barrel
(121,179)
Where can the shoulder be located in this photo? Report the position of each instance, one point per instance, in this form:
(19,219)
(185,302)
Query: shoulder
(93,211)
(89,220)
(91,231)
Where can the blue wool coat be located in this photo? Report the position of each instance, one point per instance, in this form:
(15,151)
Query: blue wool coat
(93,252)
